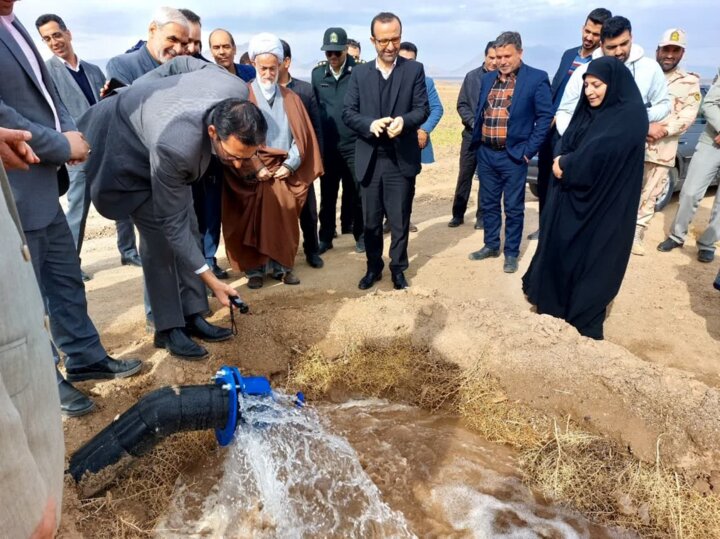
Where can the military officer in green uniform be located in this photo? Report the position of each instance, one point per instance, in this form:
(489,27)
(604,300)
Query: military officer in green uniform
(330,82)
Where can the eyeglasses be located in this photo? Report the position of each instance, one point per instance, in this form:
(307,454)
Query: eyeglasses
(333,53)
(383,43)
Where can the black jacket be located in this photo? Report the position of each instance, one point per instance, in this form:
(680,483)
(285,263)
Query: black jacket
(330,95)
(468,97)
(305,92)
(408,93)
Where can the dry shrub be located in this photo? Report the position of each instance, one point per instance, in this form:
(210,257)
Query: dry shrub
(140,496)
(586,472)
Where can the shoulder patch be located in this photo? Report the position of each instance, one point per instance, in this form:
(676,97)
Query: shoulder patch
(321,63)
(697,96)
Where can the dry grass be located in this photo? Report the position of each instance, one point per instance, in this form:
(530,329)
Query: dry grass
(583,471)
(138,498)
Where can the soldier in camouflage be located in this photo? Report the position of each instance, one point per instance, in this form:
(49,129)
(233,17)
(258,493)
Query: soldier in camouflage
(663,136)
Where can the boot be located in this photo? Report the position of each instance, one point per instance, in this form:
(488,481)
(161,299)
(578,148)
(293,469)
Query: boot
(638,246)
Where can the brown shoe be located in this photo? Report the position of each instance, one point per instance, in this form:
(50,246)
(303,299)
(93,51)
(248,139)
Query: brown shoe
(255,282)
(290,278)
(413,227)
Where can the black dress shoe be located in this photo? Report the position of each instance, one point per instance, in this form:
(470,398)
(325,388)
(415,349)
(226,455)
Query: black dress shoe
(105,369)
(705,256)
(456,222)
(132,260)
(534,235)
(198,327)
(399,281)
(73,402)
(177,342)
(668,245)
(479,225)
(324,246)
(360,245)
(484,253)
(219,272)
(85,277)
(314,260)
(369,279)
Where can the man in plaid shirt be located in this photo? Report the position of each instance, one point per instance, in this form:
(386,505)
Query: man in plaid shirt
(513,117)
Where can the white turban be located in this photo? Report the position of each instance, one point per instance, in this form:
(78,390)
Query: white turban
(265,44)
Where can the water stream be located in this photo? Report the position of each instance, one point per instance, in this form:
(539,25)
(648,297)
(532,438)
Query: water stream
(362,469)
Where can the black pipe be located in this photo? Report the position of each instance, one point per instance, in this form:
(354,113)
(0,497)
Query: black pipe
(163,412)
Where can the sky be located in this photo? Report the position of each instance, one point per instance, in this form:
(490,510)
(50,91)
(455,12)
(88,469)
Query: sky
(450,35)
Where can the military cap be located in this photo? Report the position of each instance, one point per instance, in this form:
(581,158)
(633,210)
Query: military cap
(674,36)
(335,39)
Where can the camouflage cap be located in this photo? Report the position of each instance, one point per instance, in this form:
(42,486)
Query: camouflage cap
(674,36)
(335,39)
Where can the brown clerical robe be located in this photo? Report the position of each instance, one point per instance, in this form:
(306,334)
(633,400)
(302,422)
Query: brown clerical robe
(260,218)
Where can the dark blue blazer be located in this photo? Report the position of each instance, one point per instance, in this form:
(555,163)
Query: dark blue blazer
(245,72)
(561,77)
(531,111)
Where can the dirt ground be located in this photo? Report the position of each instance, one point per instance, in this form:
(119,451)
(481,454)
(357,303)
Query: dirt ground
(666,315)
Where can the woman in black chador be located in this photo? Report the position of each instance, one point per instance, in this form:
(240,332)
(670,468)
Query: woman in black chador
(588,225)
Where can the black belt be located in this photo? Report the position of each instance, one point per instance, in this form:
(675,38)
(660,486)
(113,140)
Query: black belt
(494,147)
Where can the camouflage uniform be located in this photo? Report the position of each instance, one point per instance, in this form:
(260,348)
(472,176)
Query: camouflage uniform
(684,89)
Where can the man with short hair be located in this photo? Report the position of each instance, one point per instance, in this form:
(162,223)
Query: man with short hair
(30,103)
(616,40)
(664,136)
(386,103)
(223,50)
(570,61)
(168,37)
(330,81)
(703,169)
(309,213)
(466,107)
(264,195)
(354,50)
(78,84)
(513,118)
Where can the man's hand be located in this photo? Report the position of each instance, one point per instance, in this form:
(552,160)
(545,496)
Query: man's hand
(79,148)
(15,152)
(379,125)
(221,290)
(423,138)
(264,174)
(48,522)
(282,173)
(556,168)
(717,139)
(395,127)
(656,132)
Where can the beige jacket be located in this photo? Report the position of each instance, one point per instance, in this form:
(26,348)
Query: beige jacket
(31,438)
(684,89)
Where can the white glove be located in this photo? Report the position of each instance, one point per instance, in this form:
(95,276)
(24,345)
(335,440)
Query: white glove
(379,125)
(395,127)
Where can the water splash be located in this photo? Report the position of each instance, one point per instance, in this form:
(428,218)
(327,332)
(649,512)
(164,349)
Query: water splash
(286,476)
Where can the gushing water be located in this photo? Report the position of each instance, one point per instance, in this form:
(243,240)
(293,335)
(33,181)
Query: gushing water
(286,476)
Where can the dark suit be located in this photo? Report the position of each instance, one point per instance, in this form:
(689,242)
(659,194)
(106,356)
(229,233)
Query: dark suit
(545,154)
(466,107)
(143,167)
(55,261)
(503,171)
(309,213)
(386,168)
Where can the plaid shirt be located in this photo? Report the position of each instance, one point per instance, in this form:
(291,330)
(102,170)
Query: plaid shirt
(495,114)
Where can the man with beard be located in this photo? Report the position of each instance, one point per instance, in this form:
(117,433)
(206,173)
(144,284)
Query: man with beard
(571,60)
(663,136)
(466,107)
(223,50)
(168,36)
(264,196)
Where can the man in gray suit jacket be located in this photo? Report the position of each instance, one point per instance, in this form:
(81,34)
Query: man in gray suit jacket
(28,101)
(31,443)
(78,84)
(152,140)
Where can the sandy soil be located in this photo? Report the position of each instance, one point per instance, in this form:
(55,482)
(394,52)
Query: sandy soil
(666,315)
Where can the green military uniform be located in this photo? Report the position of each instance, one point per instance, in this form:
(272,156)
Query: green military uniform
(339,145)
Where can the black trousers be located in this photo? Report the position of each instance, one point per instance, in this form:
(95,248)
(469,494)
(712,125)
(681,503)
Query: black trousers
(339,167)
(207,200)
(468,166)
(309,223)
(389,193)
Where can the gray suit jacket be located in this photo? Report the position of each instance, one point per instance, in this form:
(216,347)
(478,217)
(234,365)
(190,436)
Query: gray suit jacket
(23,106)
(31,436)
(70,93)
(131,65)
(151,141)
(711,110)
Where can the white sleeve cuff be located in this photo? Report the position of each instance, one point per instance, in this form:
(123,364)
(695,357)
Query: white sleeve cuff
(204,268)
